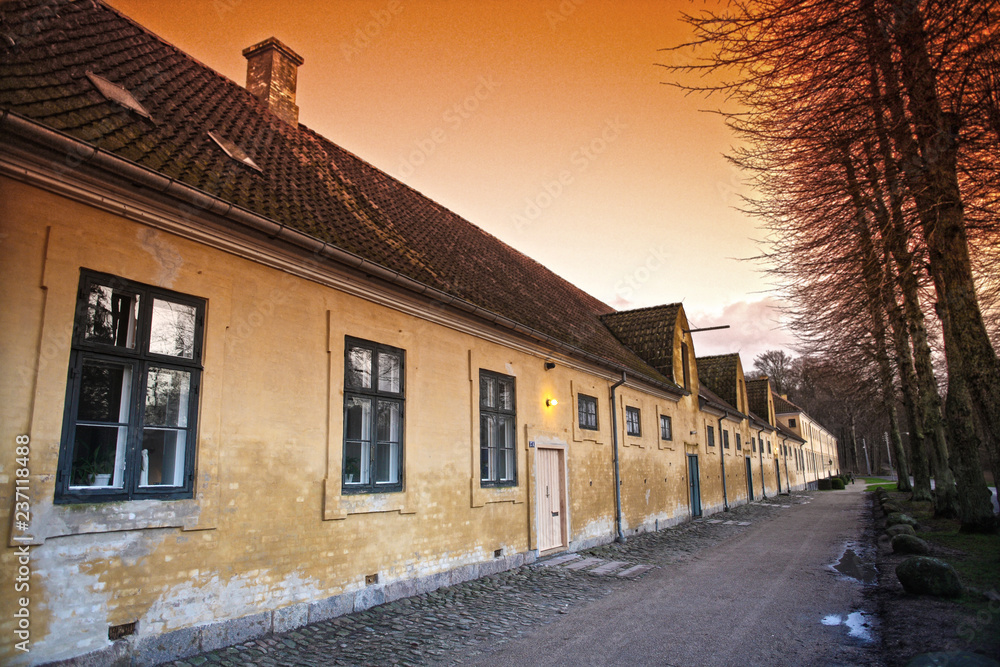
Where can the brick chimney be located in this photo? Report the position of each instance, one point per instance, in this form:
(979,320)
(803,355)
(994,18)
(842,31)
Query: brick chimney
(272,69)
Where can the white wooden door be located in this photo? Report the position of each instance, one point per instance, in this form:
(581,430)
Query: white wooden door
(551,512)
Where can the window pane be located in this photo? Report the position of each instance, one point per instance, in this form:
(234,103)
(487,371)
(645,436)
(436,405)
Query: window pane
(162,461)
(356,458)
(389,422)
(357,418)
(389,372)
(104,391)
(506,394)
(111,317)
(97,456)
(168,394)
(487,391)
(487,446)
(387,463)
(359,368)
(171,330)
(505,457)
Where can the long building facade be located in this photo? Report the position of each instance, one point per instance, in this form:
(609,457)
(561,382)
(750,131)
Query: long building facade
(253,382)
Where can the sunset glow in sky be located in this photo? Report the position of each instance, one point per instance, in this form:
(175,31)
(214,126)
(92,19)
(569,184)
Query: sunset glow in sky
(546,123)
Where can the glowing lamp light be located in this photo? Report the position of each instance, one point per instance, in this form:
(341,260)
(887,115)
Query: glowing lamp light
(551,402)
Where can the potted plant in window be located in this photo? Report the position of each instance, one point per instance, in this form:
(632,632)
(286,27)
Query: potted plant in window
(96,470)
(352,470)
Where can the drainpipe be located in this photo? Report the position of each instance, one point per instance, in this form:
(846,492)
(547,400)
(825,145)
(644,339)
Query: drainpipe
(620,537)
(784,455)
(760,450)
(722,455)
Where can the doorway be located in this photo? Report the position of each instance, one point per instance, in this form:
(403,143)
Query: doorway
(551,499)
(694,480)
(749,479)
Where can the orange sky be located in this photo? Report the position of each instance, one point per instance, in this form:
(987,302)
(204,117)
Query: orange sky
(545,123)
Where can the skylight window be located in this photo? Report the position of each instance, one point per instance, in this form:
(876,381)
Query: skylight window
(117,94)
(234,151)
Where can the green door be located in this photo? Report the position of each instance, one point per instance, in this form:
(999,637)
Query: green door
(695,483)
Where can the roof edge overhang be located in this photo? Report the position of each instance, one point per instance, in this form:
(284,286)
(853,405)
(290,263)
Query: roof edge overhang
(196,200)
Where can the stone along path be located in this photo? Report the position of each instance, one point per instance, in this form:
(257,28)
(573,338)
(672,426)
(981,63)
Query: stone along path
(563,604)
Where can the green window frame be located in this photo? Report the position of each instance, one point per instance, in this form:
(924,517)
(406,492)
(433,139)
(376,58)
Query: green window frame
(587,412)
(633,421)
(666,428)
(497,429)
(374,417)
(131,412)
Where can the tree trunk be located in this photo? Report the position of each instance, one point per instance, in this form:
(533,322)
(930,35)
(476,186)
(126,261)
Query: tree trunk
(928,401)
(876,304)
(926,167)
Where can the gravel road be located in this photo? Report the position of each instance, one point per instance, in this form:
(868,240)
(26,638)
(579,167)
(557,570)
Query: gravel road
(758,597)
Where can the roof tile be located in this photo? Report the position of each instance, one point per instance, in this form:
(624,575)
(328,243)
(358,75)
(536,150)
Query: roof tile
(307,183)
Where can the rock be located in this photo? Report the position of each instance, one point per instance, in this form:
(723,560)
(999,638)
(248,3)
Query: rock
(898,517)
(924,575)
(952,659)
(900,529)
(909,544)
(891,508)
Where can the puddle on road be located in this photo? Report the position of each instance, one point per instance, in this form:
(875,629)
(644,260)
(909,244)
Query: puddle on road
(853,566)
(856,623)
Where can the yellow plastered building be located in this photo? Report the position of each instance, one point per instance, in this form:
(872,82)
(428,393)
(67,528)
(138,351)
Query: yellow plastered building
(254,382)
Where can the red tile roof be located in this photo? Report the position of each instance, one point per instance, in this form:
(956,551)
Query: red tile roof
(306,182)
(720,374)
(649,332)
(757,391)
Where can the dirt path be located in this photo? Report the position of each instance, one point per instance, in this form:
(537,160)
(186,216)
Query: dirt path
(759,598)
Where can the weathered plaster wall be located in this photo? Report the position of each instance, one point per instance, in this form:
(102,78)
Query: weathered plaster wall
(268,529)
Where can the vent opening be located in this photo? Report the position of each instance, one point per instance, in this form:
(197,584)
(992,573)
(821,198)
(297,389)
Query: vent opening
(371,579)
(498,553)
(123,630)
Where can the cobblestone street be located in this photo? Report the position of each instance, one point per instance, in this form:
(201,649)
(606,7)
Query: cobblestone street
(458,623)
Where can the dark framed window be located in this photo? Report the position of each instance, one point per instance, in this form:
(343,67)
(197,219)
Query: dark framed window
(725,439)
(374,402)
(791,422)
(666,428)
(587,410)
(753,445)
(739,442)
(711,436)
(129,428)
(768,447)
(633,421)
(686,366)
(497,429)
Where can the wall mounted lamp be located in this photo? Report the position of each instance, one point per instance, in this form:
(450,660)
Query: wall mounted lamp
(549,365)
(695,432)
(551,402)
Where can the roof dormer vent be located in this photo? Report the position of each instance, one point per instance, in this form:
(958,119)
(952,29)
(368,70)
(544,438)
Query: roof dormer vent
(272,70)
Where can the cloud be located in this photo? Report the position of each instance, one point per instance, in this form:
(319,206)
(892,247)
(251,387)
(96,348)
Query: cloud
(754,327)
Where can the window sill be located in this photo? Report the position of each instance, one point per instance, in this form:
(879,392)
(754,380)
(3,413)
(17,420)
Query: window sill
(340,505)
(50,520)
